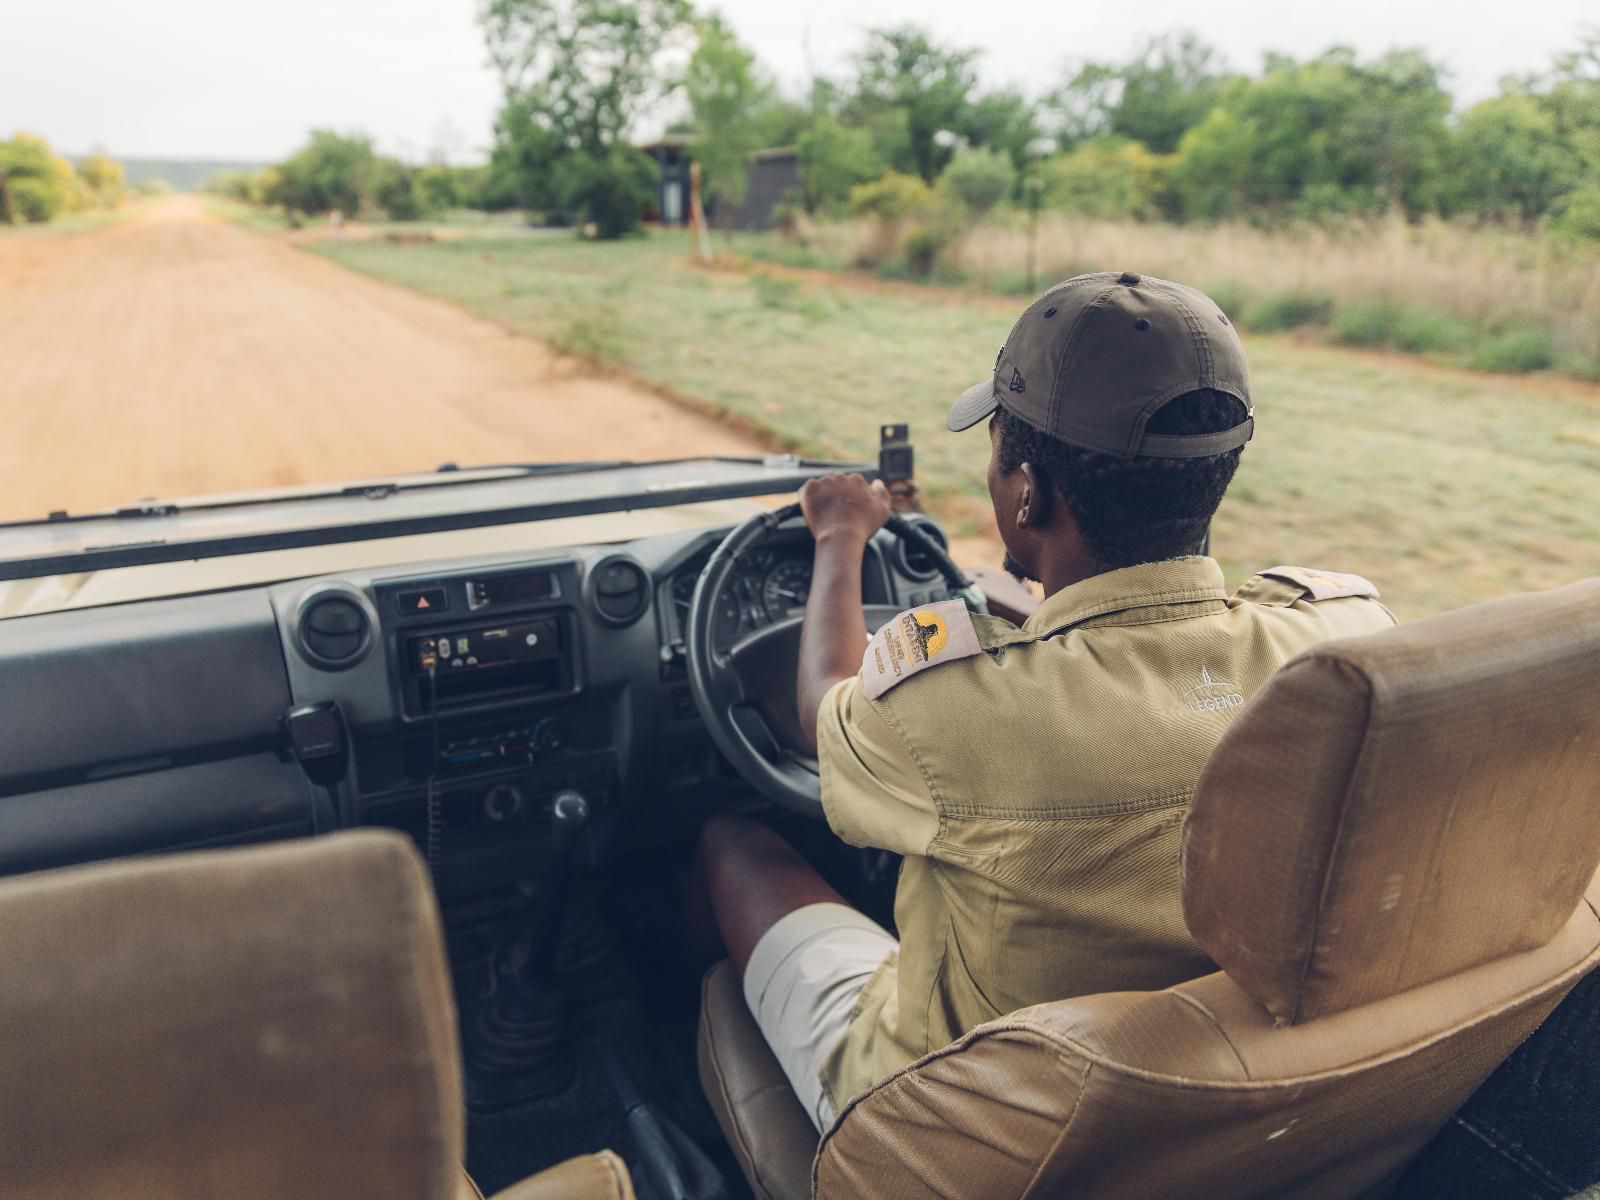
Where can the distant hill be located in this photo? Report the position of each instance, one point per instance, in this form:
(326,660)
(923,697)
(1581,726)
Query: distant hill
(184,174)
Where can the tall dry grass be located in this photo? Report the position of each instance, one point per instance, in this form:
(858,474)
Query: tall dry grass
(1493,278)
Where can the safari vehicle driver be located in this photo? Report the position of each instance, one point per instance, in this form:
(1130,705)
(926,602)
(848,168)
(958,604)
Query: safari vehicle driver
(1035,777)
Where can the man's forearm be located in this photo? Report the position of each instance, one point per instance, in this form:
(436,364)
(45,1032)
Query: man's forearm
(834,633)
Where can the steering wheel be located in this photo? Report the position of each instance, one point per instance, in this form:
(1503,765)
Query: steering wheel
(746,694)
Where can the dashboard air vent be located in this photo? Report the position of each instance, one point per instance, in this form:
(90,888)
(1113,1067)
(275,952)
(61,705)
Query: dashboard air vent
(334,630)
(619,590)
(914,562)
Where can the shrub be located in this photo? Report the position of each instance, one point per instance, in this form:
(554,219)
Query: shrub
(31,200)
(1579,219)
(609,191)
(922,246)
(1515,351)
(103,177)
(1105,179)
(39,184)
(1363,322)
(977,180)
(1408,327)
(1232,298)
(1285,310)
(1429,331)
(893,197)
(833,159)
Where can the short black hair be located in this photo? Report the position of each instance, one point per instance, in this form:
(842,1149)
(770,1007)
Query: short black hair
(1135,510)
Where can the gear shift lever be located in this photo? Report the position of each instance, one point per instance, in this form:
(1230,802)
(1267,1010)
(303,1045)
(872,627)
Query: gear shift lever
(569,813)
(518,1043)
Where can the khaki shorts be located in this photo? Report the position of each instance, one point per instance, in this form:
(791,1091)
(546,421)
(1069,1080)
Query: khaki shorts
(802,983)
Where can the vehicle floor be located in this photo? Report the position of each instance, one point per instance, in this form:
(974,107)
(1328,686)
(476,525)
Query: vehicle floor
(631,982)
(631,992)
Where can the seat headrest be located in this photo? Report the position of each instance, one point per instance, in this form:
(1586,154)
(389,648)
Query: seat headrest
(1397,808)
(265,1024)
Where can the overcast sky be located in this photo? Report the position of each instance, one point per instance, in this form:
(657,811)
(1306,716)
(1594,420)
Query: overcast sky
(245,79)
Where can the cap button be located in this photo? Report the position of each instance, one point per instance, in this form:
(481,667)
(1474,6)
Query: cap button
(1129,278)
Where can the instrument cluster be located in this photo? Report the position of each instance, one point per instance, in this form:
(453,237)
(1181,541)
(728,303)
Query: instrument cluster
(768,584)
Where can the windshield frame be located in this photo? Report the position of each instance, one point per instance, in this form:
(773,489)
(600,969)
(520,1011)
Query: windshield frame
(374,510)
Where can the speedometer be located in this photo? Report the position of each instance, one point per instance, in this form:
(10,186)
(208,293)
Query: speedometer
(786,588)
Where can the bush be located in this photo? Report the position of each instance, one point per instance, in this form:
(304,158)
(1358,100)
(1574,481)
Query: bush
(1285,310)
(40,184)
(977,180)
(833,159)
(1410,328)
(1232,298)
(1579,219)
(1106,180)
(1429,331)
(1363,322)
(1515,351)
(922,246)
(609,191)
(894,197)
(31,200)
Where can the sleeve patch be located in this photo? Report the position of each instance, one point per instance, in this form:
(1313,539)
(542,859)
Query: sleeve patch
(915,640)
(1325,585)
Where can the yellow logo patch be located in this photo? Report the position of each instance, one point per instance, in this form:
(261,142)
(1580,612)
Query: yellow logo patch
(918,638)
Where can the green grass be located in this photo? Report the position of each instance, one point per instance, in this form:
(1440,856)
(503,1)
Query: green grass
(81,222)
(1441,486)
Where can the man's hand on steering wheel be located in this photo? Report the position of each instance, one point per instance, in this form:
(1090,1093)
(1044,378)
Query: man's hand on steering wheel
(843,511)
(845,506)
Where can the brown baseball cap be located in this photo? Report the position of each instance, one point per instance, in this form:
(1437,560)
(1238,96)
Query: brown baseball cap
(1093,357)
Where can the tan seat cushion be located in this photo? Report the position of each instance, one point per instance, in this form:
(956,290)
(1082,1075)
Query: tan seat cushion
(265,1024)
(1195,1091)
(764,1122)
(601,1176)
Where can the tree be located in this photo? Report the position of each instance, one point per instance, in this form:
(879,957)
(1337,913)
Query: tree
(583,69)
(104,177)
(1163,91)
(1324,135)
(331,171)
(608,191)
(978,180)
(909,87)
(36,183)
(833,160)
(726,98)
(1109,179)
(1006,121)
(1508,160)
(522,162)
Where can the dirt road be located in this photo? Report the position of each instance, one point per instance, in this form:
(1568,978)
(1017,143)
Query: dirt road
(177,355)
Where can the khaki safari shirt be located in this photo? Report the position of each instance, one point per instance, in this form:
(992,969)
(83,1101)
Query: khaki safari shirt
(1037,788)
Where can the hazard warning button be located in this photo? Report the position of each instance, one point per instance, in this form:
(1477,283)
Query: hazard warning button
(424,600)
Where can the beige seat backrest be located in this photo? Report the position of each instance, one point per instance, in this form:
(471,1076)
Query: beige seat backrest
(264,1024)
(1392,856)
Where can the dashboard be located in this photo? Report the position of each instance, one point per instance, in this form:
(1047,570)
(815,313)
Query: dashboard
(472,692)
(768,584)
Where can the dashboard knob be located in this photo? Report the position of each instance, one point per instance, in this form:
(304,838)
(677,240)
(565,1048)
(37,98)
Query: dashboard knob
(569,808)
(502,802)
(549,736)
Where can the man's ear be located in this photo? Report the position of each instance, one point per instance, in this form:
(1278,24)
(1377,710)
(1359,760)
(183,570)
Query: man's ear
(1033,500)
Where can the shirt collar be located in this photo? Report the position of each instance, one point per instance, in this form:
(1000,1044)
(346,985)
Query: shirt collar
(1175,581)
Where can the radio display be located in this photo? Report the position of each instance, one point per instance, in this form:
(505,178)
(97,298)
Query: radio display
(499,590)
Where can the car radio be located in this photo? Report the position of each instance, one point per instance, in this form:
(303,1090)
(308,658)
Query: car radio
(528,658)
(486,647)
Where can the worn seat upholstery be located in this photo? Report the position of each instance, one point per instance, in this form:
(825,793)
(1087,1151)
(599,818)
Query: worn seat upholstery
(262,1024)
(1392,857)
